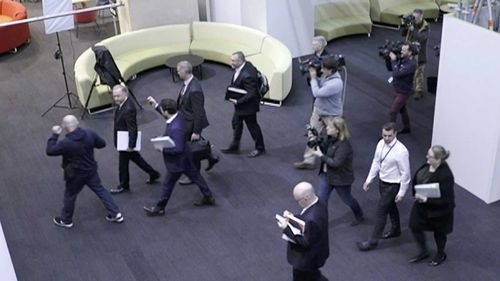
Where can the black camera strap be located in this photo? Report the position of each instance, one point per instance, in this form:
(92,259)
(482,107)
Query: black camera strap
(390,148)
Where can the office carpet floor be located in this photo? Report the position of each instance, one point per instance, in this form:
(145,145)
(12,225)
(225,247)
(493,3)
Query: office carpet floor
(238,238)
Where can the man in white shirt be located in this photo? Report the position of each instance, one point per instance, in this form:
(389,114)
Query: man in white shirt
(392,165)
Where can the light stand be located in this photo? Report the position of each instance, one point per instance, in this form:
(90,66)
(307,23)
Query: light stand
(59,55)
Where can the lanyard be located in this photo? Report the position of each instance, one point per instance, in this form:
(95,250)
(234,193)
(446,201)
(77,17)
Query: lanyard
(390,148)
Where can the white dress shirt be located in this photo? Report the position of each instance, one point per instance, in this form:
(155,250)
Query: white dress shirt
(305,209)
(392,164)
(237,72)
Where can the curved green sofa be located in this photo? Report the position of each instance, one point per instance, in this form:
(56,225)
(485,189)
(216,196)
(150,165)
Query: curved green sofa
(389,11)
(341,18)
(147,48)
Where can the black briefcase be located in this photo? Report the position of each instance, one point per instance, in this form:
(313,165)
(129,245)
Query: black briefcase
(200,149)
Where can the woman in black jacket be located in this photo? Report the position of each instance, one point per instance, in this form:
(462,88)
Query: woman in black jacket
(336,167)
(433,214)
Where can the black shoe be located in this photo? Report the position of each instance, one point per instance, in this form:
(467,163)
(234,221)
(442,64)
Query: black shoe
(59,222)
(154,211)
(204,201)
(391,234)
(420,257)
(153,178)
(118,218)
(255,153)
(437,259)
(230,150)
(357,221)
(185,181)
(366,246)
(119,189)
(405,131)
(211,162)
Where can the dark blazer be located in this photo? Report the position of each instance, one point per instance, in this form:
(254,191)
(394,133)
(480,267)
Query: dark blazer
(125,118)
(311,250)
(247,80)
(192,105)
(338,158)
(438,209)
(178,158)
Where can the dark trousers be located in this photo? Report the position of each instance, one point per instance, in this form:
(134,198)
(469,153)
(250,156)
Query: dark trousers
(253,128)
(76,184)
(386,206)
(344,191)
(171,179)
(311,275)
(135,157)
(439,237)
(399,106)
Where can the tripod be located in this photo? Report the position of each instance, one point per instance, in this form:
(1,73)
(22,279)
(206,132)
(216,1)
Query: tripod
(59,55)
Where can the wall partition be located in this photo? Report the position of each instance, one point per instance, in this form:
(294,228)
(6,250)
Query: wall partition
(467,112)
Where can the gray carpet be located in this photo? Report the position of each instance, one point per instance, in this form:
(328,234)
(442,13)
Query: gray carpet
(237,239)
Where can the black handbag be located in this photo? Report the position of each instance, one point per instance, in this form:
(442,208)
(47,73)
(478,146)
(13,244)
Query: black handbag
(201,149)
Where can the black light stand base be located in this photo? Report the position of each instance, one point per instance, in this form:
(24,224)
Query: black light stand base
(59,55)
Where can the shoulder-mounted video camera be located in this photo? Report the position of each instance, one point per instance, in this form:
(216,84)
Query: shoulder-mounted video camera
(312,61)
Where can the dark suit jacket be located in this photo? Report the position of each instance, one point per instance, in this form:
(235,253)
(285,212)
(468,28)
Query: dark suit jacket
(126,120)
(247,80)
(192,106)
(312,249)
(178,158)
(338,159)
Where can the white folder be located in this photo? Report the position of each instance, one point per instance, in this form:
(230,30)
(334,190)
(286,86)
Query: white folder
(164,142)
(122,141)
(429,190)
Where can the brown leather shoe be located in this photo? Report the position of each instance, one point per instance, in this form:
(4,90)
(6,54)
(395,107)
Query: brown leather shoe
(304,166)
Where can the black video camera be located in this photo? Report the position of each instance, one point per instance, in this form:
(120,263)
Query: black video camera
(316,140)
(390,46)
(312,61)
(407,20)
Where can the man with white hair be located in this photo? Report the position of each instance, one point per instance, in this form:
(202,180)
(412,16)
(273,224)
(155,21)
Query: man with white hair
(308,250)
(80,168)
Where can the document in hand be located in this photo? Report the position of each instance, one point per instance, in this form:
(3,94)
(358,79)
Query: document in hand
(430,190)
(164,142)
(122,141)
(234,93)
(295,224)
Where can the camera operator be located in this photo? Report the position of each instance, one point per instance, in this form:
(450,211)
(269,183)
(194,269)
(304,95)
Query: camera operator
(403,70)
(416,29)
(328,104)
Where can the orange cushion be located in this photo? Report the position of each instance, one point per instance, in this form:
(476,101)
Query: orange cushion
(5,18)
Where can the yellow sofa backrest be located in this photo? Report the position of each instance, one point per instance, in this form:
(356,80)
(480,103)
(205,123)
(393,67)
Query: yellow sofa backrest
(341,9)
(278,53)
(148,38)
(384,4)
(228,32)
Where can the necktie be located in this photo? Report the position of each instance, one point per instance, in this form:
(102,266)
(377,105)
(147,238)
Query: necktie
(181,94)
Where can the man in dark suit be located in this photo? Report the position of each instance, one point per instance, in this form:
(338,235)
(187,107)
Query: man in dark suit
(191,103)
(178,159)
(80,168)
(308,250)
(246,107)
(125,120)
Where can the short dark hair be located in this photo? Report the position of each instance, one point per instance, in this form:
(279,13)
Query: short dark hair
(390,126)
(331,63)
(169,105)
(411,47)
(240,55)
(418,11)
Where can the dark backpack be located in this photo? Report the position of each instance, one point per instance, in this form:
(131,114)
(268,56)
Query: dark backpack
(263,86)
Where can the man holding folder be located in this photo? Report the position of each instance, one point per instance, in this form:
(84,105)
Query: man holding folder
(125,120)
(178,159)
(307,234)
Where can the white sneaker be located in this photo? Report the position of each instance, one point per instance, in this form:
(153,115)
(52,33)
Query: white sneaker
(59,222)
(118,218)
